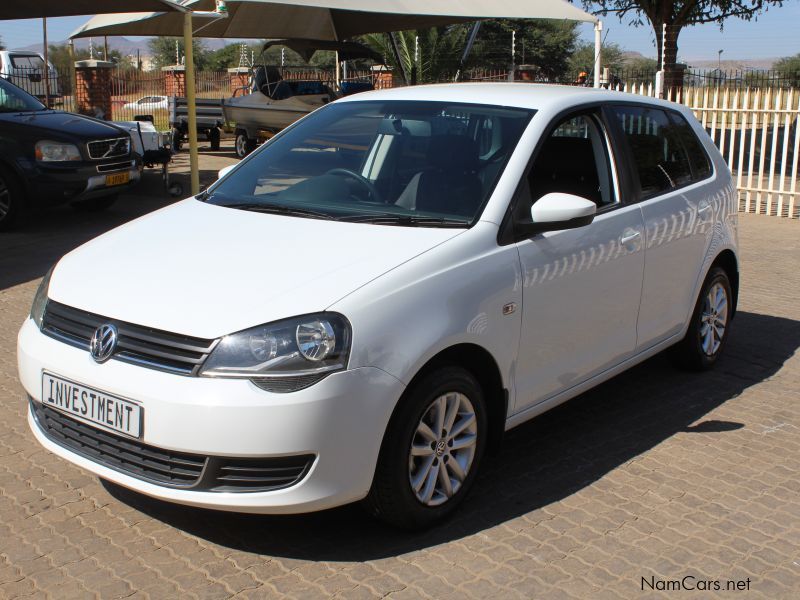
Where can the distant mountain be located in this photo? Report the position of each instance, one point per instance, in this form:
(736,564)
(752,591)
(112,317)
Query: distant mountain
(123,44)
(733,65)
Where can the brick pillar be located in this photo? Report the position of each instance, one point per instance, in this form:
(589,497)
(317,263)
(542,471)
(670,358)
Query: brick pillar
(174,80)
(93,88)
(239,77)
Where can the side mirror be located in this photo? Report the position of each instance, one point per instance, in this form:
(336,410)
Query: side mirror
(556,211)
(224,171)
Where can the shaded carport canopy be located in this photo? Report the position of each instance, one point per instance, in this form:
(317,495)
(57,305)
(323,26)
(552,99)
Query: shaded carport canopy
(37,9)
(328,19)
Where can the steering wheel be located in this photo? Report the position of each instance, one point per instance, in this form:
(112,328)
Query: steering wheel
(366,183)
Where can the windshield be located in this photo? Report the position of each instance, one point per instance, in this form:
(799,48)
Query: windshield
(399,162)
(13,99)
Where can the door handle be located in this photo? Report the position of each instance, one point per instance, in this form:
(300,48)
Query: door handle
(628,236)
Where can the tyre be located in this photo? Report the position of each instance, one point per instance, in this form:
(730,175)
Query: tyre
(708,330)
(431,451)
(244,145)
(11,196)
(95,204)
(214,137)
(177,140)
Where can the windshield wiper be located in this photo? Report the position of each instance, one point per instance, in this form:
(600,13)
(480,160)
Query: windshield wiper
(406,220)
(282,210)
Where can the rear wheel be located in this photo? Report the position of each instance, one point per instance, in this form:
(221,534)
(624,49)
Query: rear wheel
(431,450)
(244,144)
(10,198)
(708,330)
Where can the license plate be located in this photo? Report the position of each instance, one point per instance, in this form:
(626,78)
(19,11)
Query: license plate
(118,178)
(92,406)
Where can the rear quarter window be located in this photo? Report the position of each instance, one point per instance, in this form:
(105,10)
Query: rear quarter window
(698,159)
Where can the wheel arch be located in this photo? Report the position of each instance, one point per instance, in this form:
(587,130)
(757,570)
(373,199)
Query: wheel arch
(727,261)
(483,366)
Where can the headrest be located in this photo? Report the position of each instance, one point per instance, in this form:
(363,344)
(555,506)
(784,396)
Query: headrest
(453,152)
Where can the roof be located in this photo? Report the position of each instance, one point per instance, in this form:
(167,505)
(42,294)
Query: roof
(540,96)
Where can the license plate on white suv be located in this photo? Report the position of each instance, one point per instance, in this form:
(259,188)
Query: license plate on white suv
(92,406)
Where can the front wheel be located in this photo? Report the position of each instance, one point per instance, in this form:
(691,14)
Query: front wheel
(431,450)
(703,343)
(10,198)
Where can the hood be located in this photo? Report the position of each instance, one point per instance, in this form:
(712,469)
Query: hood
(64,123)
(207,271)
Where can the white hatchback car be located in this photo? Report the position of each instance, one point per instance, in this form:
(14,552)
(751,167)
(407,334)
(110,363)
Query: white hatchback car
(361,307)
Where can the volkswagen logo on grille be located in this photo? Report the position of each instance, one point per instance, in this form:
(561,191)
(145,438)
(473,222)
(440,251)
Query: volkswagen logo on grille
(104,342)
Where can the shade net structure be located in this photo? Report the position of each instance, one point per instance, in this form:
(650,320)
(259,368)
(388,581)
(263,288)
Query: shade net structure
(327,19)
(70,8)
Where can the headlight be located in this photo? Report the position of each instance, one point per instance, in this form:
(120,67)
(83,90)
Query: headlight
(40,299)
(285,355)
(47,151)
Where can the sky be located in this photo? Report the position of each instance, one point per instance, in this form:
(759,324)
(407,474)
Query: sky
(774,34)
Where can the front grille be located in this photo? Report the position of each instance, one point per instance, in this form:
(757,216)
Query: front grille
(165,467)
(111,148)
(143,346)
(119,453)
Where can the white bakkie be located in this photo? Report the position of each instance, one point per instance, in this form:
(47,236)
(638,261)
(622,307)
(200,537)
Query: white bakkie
(359,309)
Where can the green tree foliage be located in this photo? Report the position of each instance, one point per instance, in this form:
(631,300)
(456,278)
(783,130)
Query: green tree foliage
(545,44)
(2,46)
(789,69)
(426,55)
(642,63)
(163,51)
(677,14)
(582,60)
(59,56)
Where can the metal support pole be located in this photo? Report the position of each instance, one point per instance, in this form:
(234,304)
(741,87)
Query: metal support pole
(191,104)
(73,79)
(46,67)
(598,48)
(468,48)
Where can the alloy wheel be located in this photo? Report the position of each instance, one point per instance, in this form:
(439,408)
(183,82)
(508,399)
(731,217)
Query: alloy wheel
(442,449)
(713,319)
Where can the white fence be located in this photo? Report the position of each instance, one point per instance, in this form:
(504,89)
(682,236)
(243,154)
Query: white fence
(758,133)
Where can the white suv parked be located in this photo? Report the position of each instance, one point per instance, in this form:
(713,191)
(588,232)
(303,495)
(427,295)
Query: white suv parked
(359,309)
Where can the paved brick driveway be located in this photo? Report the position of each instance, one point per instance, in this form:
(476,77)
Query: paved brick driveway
(656,475)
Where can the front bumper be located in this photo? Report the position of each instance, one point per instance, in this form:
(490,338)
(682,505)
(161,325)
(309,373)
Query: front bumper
(340,420)
(56,184)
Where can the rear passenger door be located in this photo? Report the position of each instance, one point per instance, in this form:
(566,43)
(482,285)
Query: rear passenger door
(671,172)
(581,287)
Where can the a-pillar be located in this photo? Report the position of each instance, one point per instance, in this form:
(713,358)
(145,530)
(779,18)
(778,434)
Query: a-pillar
(93,88)
(174,80)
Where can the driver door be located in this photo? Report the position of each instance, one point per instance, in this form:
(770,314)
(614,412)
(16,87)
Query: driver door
(581,287)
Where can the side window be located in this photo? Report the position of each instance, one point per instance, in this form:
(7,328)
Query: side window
(574,159)
(658,154)
(698,159)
